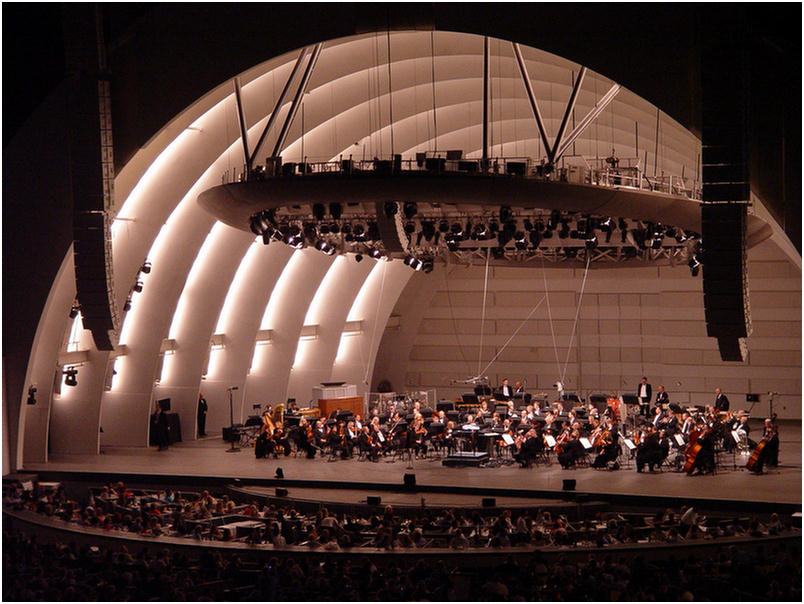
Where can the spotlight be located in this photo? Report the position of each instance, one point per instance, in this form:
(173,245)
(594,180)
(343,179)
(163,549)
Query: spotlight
(548,234)
(266,237)
(591,242)
(410,209)
(373,232)
(607,225)
(505,214)
(481,231)
(323,246)
(358,257)
(127,305)
(555,218)
(564,232)
(528,225)
(457,230)
(70,379)
(318,211)
(334,228)
(656,242)
(680,236)
(535,238)
(443,226)
(31,396)
(335,210)
(255,225)
(519,240)
(323,229)
(452,242)
(137,286)
(410,228)
(539,225)
(359,232)
(427,266)
(146,268)
(390,208)
(494,227)
(414,263)
(376,254)
(310,232)
(428,230)
(74,311)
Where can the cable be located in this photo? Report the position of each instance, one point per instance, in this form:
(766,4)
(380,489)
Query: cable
(550,319)
(538,304)
(483,316)
(577,313)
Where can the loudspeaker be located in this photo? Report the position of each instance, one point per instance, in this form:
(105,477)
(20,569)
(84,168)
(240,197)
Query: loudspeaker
(410,480)
(725,280)
(569,484)
(280,473)
(280,492)
(231,434)
(373,500)
(488,502)
(164,403)
(751,398)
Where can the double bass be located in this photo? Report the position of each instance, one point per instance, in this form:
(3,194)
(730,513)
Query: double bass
(693,448)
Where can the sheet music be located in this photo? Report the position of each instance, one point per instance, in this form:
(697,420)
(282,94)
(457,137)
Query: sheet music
(508,440)
(585,442)
(550,440)
(679,439)
(736,436)
(380,437)
(629,443)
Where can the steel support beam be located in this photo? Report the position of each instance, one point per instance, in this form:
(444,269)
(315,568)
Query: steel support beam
(242,120)
(523,70)
(280,141)
(570,106)
(590,117)
(279,102)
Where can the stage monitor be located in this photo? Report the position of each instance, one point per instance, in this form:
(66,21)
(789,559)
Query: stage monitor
(164,404)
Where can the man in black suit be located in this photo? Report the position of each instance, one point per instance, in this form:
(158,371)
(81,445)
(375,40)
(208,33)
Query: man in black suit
(721,401)
(644,394)
(661,397)
(506,391)
(202,415)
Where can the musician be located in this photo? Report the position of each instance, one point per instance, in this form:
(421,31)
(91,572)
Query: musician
(658,417)
(483,410)
(368,444)
(281,442)
(649,450)
(527,447)
(662,397)
(644,393)
(358,422)
(305,439)
(571,451)
(505,391)
(671,423)
(687,423)
(721,401)
(519,388)
(609,451)
(449,437)
(416,437)
(705,460)
(264,445)
(769,455)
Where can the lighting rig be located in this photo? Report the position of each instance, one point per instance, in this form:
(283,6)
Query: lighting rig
(427,232)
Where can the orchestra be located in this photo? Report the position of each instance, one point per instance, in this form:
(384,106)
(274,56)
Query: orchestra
(532,430)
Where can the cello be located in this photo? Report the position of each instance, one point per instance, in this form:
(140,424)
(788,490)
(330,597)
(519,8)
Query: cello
(753,461)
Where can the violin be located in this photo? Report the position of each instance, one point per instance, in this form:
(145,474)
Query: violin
(562,438)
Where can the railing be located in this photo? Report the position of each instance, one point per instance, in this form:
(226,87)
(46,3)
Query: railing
(613,173)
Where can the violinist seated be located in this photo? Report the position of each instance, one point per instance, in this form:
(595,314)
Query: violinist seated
(305,439)
(659,418)
(281,442)
(416,438)
(671,423)
(380,439)
(609,450)
(527,447)
(349,439)
(448,437)
(335,438)
(649,450)
(572,451)
(368,444)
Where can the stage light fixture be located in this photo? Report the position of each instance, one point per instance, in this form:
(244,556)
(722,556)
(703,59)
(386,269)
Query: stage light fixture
(527,224)
(607,225)
(323,228)
(656,242)
(695,265)
(428,265)
(565,231)
(359,232)
(390,208)
(548,234)
(318,211)
(410,209)
(266,237)
(443,226)
(538,225)
(505,214)
(428,230)
(137,286)
(457,230)
(323,246)
(410,228)
(310,232)
(74,311)
(127,305)
(494,226)
(591,242)
(31,396)
(358,257)
(146,268)
(373,232)
(334,228)
(376,254)
(535,238)
(519,240)
(71,377)
(335,210)
(555,219)
(503,238)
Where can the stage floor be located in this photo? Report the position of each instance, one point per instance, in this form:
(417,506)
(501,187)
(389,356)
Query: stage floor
(208,458)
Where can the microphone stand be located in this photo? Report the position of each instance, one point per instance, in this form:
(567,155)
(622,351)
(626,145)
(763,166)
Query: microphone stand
(233,441)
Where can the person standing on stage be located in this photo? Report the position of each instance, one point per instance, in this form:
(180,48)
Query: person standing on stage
(202,415)
(662,397)
(644,394)
(505,390)
(721,401)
